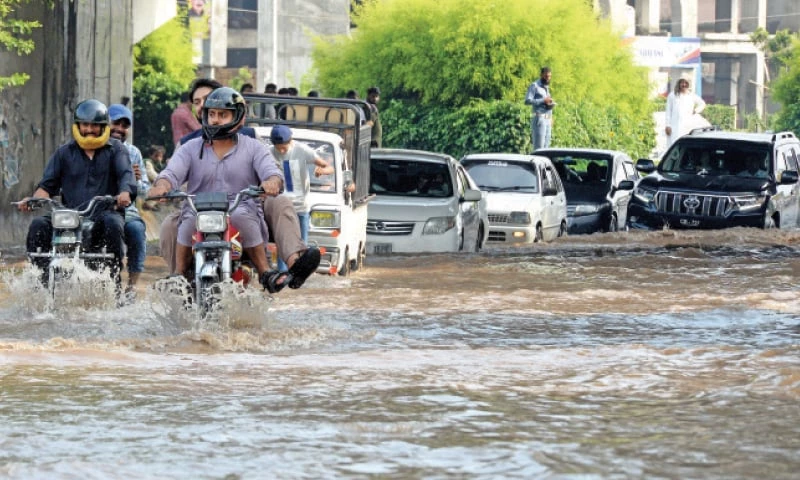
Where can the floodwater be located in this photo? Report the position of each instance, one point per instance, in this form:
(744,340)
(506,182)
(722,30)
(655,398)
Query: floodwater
(628,355)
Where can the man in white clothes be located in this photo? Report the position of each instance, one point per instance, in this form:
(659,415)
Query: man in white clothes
(682,106)
(295,157)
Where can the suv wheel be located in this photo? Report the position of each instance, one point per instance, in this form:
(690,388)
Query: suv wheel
(539,234)
(612,223)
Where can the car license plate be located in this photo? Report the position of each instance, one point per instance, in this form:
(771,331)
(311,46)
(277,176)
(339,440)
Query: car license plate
(382,248)
(689,223)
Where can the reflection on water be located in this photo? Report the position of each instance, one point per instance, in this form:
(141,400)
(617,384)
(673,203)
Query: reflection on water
(630,355)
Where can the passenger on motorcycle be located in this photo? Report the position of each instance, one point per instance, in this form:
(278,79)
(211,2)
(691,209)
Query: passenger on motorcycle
(223,161)
(90,165)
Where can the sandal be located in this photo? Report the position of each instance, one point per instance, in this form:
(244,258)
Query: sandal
(269,280)
(303,267)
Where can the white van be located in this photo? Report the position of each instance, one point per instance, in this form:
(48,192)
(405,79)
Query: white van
(339,131)
(338,223)
(525,196)
(424,202)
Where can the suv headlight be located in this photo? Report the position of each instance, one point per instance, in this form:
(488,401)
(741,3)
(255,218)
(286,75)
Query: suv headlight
(645,195)
(438,225)
(211,222)
(68,219)
(749,202)
(586,209)
(328,219)
(519,218)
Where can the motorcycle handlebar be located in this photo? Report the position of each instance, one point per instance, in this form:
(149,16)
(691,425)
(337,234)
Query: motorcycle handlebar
(251,192)
(35,203)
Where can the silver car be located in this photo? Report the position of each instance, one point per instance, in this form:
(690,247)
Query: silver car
(424,202)
(526,199)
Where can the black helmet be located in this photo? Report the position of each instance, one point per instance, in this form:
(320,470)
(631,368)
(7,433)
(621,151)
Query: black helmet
(91,111)
(224,98)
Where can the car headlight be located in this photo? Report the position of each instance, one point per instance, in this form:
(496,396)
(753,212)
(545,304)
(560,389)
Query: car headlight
(438,225)
(519,218)
(586,209)
(66,219)
(749,202)
(644,194)
(330,219)
(211,222)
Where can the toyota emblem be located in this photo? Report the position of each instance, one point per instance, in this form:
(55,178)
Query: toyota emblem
(691,203)
(379,226)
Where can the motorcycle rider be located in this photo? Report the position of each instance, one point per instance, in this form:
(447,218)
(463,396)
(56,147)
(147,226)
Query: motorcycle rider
(91,164)
(223,160)
(279,213)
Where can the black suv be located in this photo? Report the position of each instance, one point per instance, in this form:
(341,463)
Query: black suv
(715,179)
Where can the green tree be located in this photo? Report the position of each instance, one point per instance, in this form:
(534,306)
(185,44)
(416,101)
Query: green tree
(782,52)
(15,36)
(162,70)
(450,54)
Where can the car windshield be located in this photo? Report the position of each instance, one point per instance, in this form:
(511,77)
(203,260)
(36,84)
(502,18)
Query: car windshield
(584,170)
(324,183)
(717,158)
(410,178)
(500,175)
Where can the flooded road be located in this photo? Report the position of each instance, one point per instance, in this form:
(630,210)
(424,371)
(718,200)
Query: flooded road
(628,355)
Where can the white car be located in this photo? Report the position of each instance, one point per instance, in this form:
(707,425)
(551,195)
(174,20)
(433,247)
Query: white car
(425,202)
(525,197)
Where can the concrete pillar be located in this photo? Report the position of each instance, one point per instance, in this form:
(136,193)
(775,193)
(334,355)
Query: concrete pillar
(648,16)
(266,45)
(684,18)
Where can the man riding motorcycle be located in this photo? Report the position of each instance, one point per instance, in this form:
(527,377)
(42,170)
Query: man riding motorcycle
(90,165)
(223,161)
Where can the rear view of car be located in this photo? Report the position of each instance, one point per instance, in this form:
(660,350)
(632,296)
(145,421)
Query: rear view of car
(525,197)
(424,202)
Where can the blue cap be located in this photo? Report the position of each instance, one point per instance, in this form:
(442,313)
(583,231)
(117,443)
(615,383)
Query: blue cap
(280,134)
(118,111)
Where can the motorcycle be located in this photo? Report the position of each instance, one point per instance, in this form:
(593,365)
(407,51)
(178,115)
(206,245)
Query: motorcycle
(71,231)
(217,253)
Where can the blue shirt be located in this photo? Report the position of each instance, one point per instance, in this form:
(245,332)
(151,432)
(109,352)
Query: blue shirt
(143,185)
(71,174)
(536,95)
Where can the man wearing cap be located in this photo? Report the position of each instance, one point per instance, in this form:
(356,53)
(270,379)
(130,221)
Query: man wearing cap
(135,237)
(373,97)
(294,158)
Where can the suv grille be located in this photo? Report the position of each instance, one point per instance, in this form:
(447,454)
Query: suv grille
(498,218)
(693,204)
(380,227)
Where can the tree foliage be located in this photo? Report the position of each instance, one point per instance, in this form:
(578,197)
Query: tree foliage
(782,52)
(162,70)
(445,55)
(15,36)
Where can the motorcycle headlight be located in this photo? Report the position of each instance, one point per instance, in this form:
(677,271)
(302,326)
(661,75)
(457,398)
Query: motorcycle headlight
(586,209)
(749,202)
(519,218)
(66,219)
(329,219)
(438,225)
(644,194)
(211,222)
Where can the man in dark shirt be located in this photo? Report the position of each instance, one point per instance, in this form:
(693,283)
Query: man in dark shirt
(91,164)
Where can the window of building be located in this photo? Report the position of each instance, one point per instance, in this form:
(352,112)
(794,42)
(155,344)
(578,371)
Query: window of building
(242,57)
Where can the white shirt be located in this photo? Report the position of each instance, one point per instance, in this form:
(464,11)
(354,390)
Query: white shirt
(680,110)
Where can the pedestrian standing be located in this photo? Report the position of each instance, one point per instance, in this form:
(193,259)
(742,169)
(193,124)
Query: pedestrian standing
(538,96)
(682,104)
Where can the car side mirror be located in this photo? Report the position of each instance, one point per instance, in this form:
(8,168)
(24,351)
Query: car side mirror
(645,165)
(789,177)
(625,185)
(549,191)
(471,195)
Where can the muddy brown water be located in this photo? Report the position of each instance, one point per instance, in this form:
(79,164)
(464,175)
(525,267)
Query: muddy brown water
(627,355)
